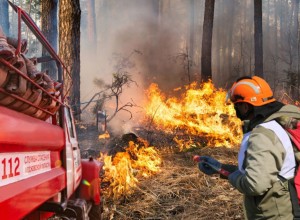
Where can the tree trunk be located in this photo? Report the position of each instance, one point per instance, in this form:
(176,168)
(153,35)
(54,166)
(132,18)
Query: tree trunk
(276,43)
(218,47)
(69,48)
(102,21)
(192,33)
(4,21)
(230,23)
(155,5)
(91,24)
(295,51)
(207,40)
(267,32)
(49,29)
(258,38)
(298,55)
(283,23)
(294,33)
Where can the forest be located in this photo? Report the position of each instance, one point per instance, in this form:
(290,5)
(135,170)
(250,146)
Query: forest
(168,36)
(161,41)
(137,62)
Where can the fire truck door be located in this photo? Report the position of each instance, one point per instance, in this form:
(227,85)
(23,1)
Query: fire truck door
(73,159)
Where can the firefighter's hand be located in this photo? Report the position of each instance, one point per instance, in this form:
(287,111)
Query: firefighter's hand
(205,168)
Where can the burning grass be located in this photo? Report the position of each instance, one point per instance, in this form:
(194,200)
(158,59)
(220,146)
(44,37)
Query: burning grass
(121,172)
(200,110)
(163,182)
(180,191)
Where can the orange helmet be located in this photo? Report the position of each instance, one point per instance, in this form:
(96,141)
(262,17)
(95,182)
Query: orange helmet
(253,90)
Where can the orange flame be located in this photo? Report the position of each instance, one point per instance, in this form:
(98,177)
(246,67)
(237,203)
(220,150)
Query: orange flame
(200,111)
(123,170)
(104,135)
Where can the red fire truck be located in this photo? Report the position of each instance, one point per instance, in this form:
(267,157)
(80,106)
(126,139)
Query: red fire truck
(42,175)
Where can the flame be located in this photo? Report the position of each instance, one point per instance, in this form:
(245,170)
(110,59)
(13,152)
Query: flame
(200,111)
(104,136)
(123,170)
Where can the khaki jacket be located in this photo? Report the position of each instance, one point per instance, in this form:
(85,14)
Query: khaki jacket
(266,197)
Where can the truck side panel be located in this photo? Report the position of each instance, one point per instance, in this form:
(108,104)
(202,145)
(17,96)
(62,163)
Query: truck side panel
(31,169)
(22,197)
(19,132)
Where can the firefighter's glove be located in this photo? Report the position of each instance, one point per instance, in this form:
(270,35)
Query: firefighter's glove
(234,177)
(204,165)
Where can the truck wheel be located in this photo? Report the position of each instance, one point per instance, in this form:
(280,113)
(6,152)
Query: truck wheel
(95,213)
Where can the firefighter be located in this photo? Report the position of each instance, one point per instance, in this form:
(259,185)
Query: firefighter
(266,160)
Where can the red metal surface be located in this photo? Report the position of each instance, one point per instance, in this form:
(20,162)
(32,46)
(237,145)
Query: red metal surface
(20,198)
(39,216)
(79,177)
(90,185)
(55,159)
(20,132)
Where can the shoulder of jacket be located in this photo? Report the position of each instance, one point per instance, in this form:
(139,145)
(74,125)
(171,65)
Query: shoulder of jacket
(286,111)
(263,132)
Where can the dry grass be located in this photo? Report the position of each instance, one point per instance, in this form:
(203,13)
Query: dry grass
(181,191)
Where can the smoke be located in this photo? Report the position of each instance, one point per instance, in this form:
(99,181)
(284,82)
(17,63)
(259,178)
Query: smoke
(160,31)
(134,32)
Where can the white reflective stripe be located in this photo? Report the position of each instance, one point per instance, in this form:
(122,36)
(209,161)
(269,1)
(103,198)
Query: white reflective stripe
(289,163)
(255,88)
(243,149)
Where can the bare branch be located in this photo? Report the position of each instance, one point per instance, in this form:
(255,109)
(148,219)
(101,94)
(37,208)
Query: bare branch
(120,79)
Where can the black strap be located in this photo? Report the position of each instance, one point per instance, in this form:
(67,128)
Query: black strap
(294,199)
